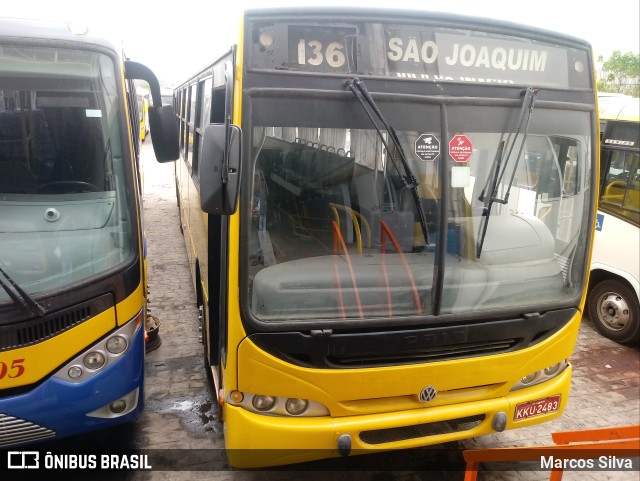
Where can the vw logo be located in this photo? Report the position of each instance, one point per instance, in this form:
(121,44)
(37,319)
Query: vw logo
(427,394)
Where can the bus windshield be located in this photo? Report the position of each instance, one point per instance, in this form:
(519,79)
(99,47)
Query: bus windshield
(64,215)
(335,233)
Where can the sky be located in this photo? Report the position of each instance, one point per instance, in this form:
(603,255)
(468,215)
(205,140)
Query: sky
(177,40)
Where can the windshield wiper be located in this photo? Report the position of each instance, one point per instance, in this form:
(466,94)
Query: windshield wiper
(20,296)
(409,179)
(107,162)
(502,161)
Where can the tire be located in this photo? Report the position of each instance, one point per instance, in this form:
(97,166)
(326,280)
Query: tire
(614,311)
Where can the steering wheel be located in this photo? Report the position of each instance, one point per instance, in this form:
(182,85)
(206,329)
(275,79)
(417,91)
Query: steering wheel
(68,186)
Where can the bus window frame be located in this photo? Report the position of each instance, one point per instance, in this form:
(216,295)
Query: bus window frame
(619,210)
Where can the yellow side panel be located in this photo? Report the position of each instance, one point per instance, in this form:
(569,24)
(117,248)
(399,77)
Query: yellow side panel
(130,307)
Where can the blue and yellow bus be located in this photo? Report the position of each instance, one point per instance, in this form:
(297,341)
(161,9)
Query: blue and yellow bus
(72,277)
(388,217)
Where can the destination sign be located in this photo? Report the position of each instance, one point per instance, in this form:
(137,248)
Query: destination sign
(420,53)
(465,58)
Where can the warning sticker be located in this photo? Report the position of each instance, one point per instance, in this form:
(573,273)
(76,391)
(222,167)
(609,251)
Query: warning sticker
(427,147)
(460,148)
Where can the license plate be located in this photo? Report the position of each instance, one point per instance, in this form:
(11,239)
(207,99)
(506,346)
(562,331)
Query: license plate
(536,408)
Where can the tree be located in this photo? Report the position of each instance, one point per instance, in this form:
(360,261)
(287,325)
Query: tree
(622,73)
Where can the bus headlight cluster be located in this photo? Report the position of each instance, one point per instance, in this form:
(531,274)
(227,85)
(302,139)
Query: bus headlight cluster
(540,376)
(101,354)
(277,406)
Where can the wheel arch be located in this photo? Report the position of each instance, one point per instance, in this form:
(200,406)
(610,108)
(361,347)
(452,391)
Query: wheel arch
(599,274)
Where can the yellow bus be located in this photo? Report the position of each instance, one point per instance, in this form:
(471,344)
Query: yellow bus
(143,112)
(388,217)
(72,277)
(613,302)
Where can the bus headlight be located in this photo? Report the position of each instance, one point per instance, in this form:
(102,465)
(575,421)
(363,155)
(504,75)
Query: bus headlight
(74,372)
(94,360)
(116,344)
(529,379)
(540,376)
(263,403)
(552,370)
(295,406)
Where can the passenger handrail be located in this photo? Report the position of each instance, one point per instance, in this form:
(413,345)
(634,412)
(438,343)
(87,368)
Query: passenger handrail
(354,218)
(337,241)
(384,229)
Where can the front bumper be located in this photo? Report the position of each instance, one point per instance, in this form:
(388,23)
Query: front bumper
(255,440)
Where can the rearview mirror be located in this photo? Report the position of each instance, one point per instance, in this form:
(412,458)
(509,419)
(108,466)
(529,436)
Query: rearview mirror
(162,121)
(219,170)
(163,125)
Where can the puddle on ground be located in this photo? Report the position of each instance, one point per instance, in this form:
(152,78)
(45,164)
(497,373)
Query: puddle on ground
(199,413)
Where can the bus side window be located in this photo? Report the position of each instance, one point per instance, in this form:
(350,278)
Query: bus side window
(217,105)
(190,112)
(182,115)
(203,119)
(620,187)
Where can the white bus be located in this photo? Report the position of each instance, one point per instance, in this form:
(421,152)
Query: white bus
(613,305)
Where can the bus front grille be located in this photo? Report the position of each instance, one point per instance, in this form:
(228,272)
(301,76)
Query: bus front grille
(335,349)
(26,333)
(16,431)
(440,353)
(390,435)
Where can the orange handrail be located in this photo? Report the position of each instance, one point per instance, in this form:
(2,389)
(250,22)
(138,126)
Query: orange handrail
(338,241)
(386,230)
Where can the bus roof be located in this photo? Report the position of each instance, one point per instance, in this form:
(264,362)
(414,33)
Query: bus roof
(37,31)
(618,107)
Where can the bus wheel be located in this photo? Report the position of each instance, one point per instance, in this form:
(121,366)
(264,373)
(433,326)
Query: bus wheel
(613,309)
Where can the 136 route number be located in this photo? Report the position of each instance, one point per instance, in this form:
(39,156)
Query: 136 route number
(333,55)
(15,369)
